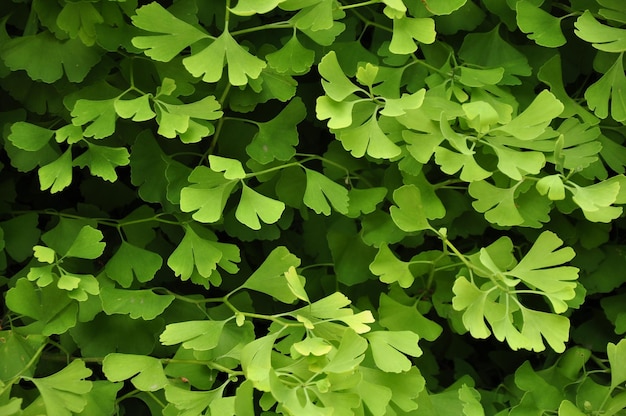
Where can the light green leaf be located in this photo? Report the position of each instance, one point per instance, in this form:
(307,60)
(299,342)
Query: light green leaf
(144,304)
(451,162)
(176,34)
(409,213)
(137,109)
(87,244)
(146,373)
(541,26)
(388,349)
(443,7)
(339,113)
(315,16)
(396,316)
(102,160)
(552,185)
(320,191)
(296,284)
(617,359)
(399,106)
(368,138)
(251,7)
(335,83)
(195,335)
(30,137)
(406,29)
(390,269)
(349,355)
(517,164)
(256,361)
(232,168)
(100,114)
(102,399)
(534,120)
(596,200)
(78,286)
(312,346)
(44,254)
(207,195)
(334,307)
(276,138)
(609,87)
(80,20)
(603,37)
(190,403)
(194,253)
(475,304)
(209,62)
(542,268)
(475,77)
(254,206)
(178,119)
(270,278)
(498,204)
(292,58)
(131,262)
(471,401)
(364,201)
(57,175)
(64,392)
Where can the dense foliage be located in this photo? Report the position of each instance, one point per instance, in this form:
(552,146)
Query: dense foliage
(312,207)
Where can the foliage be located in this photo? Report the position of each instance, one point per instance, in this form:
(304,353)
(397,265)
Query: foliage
(312,207)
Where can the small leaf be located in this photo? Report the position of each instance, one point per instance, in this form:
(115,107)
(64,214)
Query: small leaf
(195,335)
(131,262)
(604,38)
(137,109)
(388,349)
(27,136)
(194,253)
(64,392)
(335,83)
(232,168)
(390,269)
(498,204)
(207,195)
(44,254)
(534,120)
(144,304)
(296,284)
(102,160)
(406,29)
(292,58)
(87,244)
(617,360)
(57,175)
(146,373)
(409,214)
(541,26)
(270,278)
(368,138)
(349,355)
(256,361)
(609,89)
(396,316)
(552,185)
(320,191)
(254,206)
(99,114)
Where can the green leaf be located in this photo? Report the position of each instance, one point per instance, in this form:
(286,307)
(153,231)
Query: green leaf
(552,185)
(604,38)
(609,89)
(87,244)
(131,262)
(146,373)
(64,392)
(617,355)
(276,138)
(396,316)
(176,34)
(316,15)
(137,109)
(251,7)
(102,399)
(335,83)
(409,214)
(390,269)
(195,335)
(209,62)
(195,402)
(256,361)
(292,58)
(27,136)
(15,352)
(534,120)
(79,20)
(349,354)
(178,119)
(388,349)
(57,175)
(542,268)
(207,195)
(102,160)
(368,138)
(100,114)
(541,26)
(46,58)
(270,278)
(471,401)
(194,253)
(406,29)
(232,168)
(498,204)
(333,307)
(320,191)
(596,200)
(144,304)
(254,206)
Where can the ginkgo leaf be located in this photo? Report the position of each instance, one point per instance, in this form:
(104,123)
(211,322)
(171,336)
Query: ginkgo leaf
(368,138)
(338,113)
(389,349)
(335,307)
(194,253)
(30,137)
(87,244)
(390,268)
(551,185)
(409,214)
(312,346)
(102,160)
(277,138)
(596,200)
(209,62)
(474,303)
(269,277)
(207,194)
(256,361)
(100,114)
(320,191)
(603,37)
(541,26)
(315,15)
(516,164)
(406,29)
(335,83)
(232,168)
(136,109)
(177,119)
(291,58)
(176,34)
(196,402)
(195,335)
(254,206)
(57,175)
(609,89)
(144,304)
(498,204)
(64,392)
(146,373)
(396,316)
(534,120)
(131,262)
(80,20)
(251,7)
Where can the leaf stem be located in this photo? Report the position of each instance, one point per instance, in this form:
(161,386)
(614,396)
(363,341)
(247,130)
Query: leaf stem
(362,4)
(277,25)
